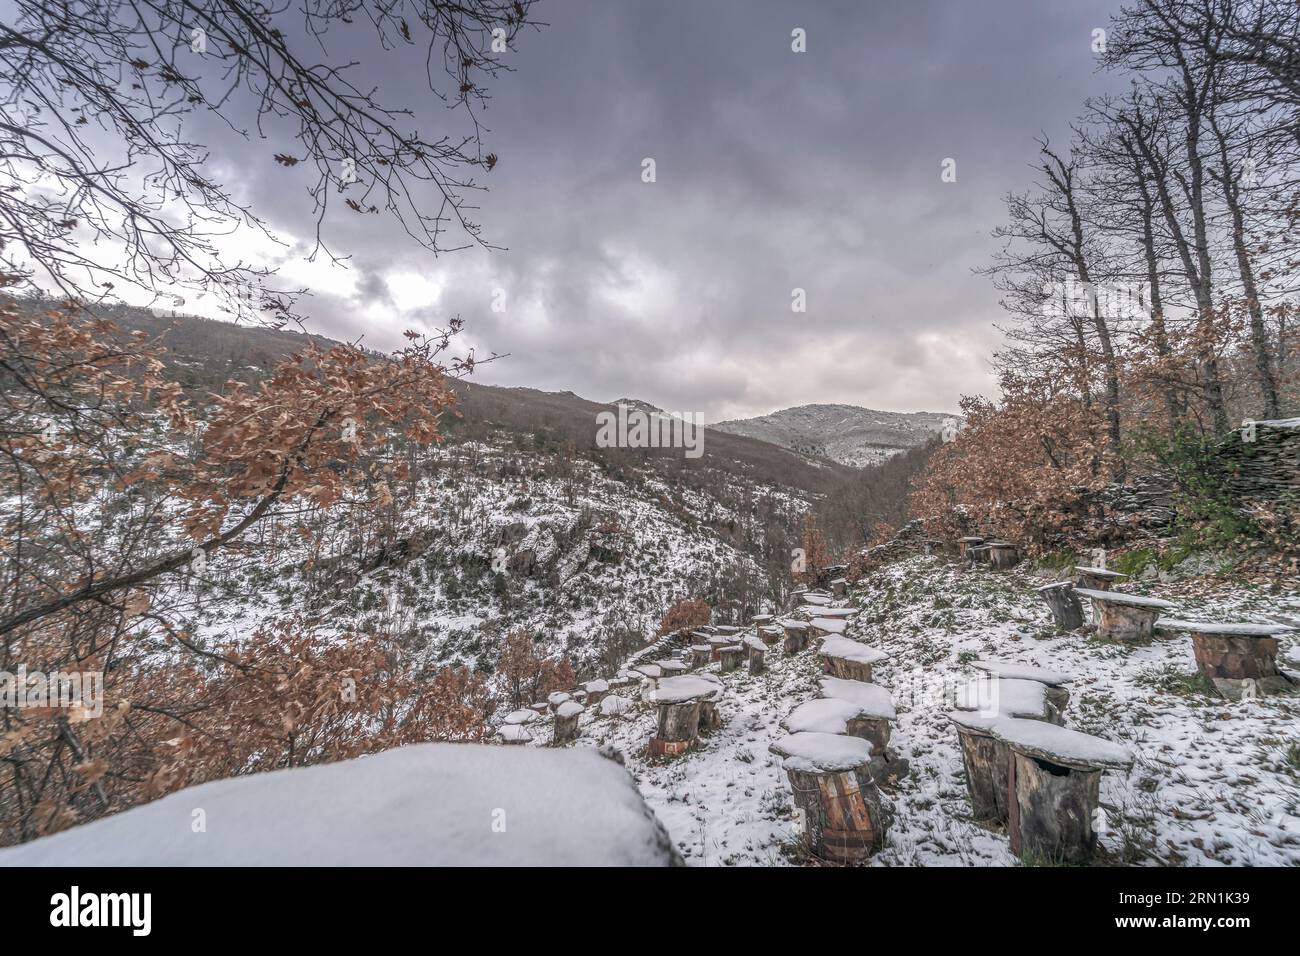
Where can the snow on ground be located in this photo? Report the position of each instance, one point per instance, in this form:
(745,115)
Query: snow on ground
(423,805)
(1214,782)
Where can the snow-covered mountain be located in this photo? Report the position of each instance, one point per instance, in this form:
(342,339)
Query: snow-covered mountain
(847,434)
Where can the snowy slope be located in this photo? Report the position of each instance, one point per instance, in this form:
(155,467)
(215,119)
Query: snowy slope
(576,559)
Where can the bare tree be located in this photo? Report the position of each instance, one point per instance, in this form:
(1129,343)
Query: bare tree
(1151,37)
(1049,237)
(102,186)
(1235,187)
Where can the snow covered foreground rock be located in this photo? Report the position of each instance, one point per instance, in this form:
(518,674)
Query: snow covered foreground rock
(431,804)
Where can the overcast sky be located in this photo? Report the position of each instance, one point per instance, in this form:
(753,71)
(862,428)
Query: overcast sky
(775,170)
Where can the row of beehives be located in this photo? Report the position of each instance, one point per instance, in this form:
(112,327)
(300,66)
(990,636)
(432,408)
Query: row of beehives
(1239,657)
(1024,769)
(655,666)
(836,751)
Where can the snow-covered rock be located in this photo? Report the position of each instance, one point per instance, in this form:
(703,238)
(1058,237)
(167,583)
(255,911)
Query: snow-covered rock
(428,804)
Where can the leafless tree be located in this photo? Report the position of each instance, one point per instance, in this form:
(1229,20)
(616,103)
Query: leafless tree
(103,184)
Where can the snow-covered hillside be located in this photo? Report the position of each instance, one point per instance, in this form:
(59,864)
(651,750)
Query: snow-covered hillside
(844,433)
(587,562)
(1214,782)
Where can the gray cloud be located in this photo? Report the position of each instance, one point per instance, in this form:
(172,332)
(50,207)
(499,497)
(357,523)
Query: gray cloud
(775,170)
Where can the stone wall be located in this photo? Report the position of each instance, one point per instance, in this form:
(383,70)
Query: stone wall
(1261,462)
(910,539)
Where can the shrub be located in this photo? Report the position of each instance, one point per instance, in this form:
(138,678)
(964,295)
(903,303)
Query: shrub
(685,614)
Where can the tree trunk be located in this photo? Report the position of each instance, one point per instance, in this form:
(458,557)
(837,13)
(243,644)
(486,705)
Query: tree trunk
(677,730)
(566,728)
(1196,265)
(1121,622)
(1235,657)
(843,820)
(1002,557)
(1052,810)
(986,760)
(710,718)
(846,669)
(1156,296)
(1258,330)
(1064,605)
(875,730)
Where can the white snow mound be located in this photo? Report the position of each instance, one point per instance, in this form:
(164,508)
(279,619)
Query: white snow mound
(428,804)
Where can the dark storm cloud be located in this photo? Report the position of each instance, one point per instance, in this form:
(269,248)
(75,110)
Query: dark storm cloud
(775,170)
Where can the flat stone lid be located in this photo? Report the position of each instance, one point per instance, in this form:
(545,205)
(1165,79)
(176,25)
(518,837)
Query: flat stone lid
(1054,585)
(1001,544)
(679,690)
(1128,600)
(871,699)
(701,647)
(708,678)
(721,640)
(971,538)
(1069,748)
(1226,630)
(596,686)
(1003,698)
(810,752)
(974,721)
(1014,671)
(727,629)
(557,698)
(671,667)
(733,646)
(514,733)
(772,629)
(1106,573)
(752,641)
(570,708)
(791,625)
(705,635)
(832,625)
(762,618)
(849,650)
(812,597)
(836,612)
(648,670)
(824,715)
(523,716)
(840,581)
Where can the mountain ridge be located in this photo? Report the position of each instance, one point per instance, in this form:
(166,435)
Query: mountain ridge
(848,434)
